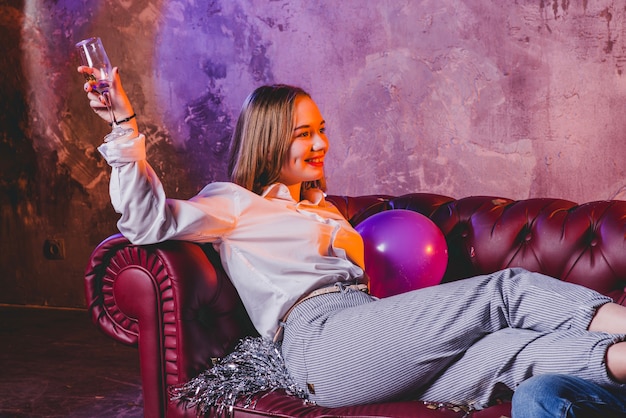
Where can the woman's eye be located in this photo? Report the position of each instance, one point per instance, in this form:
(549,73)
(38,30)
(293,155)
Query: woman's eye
(302,135)
(323,130)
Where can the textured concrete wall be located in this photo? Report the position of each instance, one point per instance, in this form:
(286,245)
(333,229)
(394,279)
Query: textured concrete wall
(515,99)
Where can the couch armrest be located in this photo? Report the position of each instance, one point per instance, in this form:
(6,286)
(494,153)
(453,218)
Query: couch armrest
(173,301)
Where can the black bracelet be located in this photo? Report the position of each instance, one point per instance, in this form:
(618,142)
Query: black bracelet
(119,122)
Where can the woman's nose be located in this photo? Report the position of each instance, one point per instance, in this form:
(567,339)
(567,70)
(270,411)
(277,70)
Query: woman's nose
(319,143)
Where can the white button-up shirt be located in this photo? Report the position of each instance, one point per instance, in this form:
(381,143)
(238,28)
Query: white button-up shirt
(273,248)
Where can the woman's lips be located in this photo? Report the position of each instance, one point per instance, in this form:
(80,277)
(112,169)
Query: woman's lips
(317,162)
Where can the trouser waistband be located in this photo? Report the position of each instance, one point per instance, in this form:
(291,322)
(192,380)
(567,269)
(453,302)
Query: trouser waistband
(338,287)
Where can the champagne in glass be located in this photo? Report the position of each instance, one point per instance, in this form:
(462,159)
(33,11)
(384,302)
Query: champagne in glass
(92,54)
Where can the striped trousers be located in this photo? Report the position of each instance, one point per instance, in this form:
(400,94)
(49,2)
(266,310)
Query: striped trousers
(454,342)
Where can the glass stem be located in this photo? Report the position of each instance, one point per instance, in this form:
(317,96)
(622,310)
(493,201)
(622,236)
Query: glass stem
(109,105)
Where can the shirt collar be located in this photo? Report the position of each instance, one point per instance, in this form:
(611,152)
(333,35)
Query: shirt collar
(280,191)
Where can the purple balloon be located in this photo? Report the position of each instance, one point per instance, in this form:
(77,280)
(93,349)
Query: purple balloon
(404,251)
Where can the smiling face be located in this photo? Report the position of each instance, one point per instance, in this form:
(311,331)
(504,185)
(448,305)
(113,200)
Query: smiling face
(309,144)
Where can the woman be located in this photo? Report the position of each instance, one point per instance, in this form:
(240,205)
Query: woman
(279,241)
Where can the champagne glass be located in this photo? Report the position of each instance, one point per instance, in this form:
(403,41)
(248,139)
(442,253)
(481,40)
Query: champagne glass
(92,54)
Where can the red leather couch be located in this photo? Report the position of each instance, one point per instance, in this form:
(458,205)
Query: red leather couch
(175,303)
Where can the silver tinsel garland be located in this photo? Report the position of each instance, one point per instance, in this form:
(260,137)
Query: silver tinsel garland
(256,365)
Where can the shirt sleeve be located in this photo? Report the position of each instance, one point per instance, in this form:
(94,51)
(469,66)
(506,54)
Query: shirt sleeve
(147,215)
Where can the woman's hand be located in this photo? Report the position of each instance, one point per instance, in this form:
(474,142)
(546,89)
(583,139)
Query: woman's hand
(119,100)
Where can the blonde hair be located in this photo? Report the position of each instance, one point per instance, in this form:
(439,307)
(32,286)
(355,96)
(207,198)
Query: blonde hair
(262,137)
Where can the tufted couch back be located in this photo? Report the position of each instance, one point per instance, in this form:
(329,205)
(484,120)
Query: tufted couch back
(583,244)
(176,303)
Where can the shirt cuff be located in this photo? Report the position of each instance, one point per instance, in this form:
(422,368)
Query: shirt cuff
(124,150)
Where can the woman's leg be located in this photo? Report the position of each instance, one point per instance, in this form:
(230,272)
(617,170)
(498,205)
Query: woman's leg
(560,396)
(479,369)
(336,345)
(506,358)
(616,361)
(610,318)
